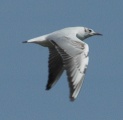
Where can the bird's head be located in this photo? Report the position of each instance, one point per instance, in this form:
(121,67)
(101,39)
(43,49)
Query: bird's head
(86,32)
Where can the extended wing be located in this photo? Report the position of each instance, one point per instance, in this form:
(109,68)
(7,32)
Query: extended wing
(75,59)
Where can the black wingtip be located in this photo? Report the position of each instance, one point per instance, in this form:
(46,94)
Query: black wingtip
(48,87)
(24,42)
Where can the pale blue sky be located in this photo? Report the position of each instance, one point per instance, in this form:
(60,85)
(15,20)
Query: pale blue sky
(24,67)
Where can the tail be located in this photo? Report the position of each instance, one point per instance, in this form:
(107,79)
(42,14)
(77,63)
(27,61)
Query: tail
(38,40)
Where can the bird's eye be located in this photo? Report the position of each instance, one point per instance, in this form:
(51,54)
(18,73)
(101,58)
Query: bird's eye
(90,30)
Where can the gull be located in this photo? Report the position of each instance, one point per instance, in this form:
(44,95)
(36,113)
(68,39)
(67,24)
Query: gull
(67,52)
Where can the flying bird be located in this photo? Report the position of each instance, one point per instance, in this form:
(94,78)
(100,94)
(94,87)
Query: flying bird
(67,52)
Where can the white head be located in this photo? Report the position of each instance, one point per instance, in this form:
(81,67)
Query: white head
(86,32)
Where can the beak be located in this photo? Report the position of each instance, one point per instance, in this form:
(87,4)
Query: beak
(97,33)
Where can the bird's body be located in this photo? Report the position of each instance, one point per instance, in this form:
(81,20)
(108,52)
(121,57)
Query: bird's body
(67,52)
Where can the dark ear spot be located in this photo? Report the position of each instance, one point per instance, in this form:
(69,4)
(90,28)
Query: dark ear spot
(85,30)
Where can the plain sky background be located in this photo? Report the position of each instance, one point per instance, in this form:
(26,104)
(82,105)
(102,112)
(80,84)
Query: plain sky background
(24,67)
